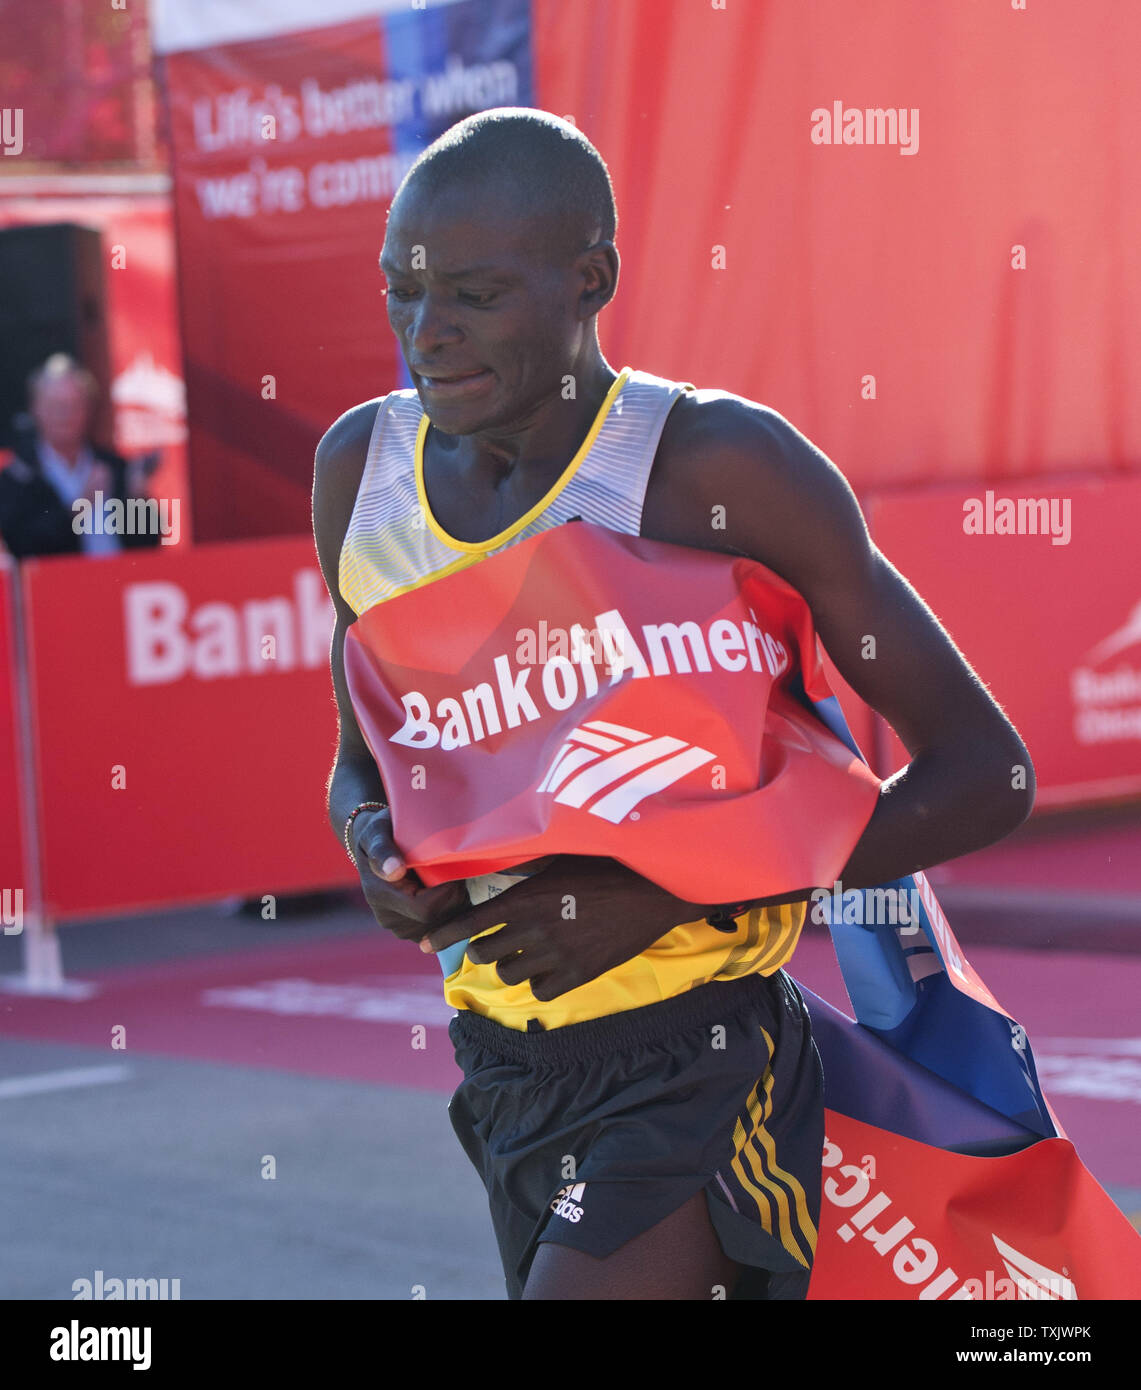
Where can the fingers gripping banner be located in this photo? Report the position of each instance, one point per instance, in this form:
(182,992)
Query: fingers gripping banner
(585,692)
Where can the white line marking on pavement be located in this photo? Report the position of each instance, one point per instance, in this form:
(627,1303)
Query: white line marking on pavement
(61,1080)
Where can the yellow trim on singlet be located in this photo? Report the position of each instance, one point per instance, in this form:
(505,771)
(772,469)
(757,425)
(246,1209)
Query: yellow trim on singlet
(477,547)
(463,563)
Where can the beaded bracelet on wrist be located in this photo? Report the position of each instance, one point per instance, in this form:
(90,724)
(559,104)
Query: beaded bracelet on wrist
(364,806)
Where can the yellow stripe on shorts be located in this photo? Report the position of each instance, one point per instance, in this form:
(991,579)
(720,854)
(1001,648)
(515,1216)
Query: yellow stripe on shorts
(759,1149)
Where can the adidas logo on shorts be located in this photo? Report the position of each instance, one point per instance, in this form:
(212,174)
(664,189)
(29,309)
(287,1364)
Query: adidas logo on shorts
(566,1202)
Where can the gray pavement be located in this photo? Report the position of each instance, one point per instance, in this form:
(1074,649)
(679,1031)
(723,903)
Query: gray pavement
(160,1175)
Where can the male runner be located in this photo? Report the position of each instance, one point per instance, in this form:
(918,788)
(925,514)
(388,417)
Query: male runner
(624,1156)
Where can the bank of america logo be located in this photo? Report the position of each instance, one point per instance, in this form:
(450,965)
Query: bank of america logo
(598,756)
(1031,1279)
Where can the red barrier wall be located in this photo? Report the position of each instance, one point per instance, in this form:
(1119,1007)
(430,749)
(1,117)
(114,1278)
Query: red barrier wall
(12,831)
(181,758)
(178,760)
(1054,629)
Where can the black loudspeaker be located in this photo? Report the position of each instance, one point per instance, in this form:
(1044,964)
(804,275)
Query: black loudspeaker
(52,299)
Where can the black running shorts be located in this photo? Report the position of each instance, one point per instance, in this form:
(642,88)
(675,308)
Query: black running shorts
(592,1133)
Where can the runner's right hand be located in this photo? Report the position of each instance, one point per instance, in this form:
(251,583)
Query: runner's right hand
(400,903)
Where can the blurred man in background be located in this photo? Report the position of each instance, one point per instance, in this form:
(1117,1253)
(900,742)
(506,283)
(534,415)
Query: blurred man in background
(58,465)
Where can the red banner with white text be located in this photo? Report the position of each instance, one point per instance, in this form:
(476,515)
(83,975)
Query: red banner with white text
(185,725)
(585,692)
(290,132)
(905,1220)
(1058,637)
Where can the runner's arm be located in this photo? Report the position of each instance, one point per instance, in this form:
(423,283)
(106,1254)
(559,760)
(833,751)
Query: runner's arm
(398,899)
(970,780)
(337,469)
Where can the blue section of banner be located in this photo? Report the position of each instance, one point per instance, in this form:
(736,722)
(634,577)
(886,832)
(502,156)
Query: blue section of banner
(829,712)
(926,1020)
(868,1080)
(462,58)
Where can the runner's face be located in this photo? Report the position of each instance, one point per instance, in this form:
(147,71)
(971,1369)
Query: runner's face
(487,325)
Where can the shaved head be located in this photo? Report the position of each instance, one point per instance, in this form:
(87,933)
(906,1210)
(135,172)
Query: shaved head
(556,178)
(498,256)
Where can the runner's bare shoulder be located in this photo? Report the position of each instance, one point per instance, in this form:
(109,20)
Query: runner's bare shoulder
(721,453)
(337,469)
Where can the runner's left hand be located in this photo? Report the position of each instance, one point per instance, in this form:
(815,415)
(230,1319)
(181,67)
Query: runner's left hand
(578,918)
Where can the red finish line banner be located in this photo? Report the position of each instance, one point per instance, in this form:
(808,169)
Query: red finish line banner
(11,803)
(666,716)
(904,1220)
(185,725)
(1040,587)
